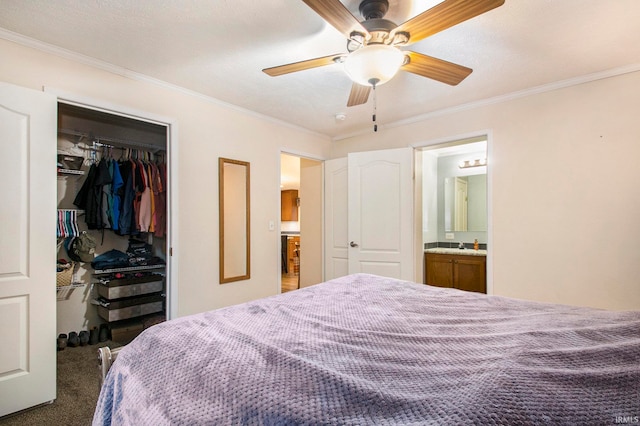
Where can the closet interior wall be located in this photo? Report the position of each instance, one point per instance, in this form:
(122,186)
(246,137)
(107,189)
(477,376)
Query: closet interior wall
(78,131)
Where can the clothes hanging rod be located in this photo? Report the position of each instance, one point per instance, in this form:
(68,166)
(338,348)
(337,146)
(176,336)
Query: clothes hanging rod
(99,140)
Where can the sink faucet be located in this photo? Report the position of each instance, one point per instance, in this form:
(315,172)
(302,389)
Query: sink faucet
(461,245)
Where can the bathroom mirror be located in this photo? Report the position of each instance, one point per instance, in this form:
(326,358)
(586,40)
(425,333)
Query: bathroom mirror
(233,193)
(465,203)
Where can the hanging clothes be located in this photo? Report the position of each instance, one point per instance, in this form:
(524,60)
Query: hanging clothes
(161,202)
(127,196)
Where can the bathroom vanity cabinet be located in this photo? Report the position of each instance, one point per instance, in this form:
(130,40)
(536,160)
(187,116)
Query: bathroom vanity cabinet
(462,271)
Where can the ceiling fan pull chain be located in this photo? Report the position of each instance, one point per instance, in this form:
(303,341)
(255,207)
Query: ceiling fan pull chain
(375,107)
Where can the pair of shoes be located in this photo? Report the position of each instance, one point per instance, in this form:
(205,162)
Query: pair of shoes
(103,335)
(73,339)
(61,342)
(83,337)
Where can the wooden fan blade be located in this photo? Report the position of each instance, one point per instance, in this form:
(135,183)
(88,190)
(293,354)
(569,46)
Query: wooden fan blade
(359,94)
(337,15)
(302,65)
(436,69)
(443,16)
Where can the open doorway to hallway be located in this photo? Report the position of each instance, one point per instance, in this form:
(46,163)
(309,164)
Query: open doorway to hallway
(300,222)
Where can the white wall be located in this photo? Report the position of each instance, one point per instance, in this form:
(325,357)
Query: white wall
(429,197)
(207,130)
(563,188)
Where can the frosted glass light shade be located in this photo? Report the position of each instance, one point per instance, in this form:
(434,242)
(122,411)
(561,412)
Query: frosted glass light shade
(374,64)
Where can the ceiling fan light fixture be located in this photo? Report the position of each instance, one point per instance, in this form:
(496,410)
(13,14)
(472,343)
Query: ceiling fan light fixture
(374,64)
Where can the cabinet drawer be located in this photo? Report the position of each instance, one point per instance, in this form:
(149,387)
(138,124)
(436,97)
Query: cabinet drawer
(129,290)
(130,308)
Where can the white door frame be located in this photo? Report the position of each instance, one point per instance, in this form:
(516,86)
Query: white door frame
(171,124)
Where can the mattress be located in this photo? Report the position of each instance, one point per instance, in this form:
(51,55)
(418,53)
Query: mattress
(364,349)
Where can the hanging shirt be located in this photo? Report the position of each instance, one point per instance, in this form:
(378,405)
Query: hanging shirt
(116,185)
(144,218)
(161,202)
(106,201)
(127,197)
(150,167)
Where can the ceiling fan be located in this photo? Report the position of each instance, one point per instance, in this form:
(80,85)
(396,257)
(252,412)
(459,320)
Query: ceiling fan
(374,57)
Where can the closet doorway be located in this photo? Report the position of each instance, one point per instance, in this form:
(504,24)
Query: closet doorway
(114,181)
(300,222)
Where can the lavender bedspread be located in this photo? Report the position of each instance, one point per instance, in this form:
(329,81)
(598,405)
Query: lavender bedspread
(364,349)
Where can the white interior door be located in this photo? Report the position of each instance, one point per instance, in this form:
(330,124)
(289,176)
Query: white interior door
(380,213)
(27,248)
(460,188)
(336,243)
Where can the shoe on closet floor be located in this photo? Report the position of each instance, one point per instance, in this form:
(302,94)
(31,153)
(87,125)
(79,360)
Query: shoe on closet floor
(94,336)
(103,335)
(73,339)
(83,337)
(61,341)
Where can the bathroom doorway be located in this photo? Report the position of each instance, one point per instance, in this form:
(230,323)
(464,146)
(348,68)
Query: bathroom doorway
(455,194)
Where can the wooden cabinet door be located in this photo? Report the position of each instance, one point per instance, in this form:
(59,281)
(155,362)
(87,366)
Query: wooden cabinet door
(289,205)
(463,272)
(470,273)
(439,269)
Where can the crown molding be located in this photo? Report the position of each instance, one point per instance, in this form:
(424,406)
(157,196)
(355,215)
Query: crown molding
(123,72)
(114,69)
(503,98)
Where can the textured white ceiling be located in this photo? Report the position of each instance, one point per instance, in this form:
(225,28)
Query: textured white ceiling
(219,47)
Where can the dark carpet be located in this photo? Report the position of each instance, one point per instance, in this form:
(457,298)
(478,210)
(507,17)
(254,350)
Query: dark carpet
(78,389)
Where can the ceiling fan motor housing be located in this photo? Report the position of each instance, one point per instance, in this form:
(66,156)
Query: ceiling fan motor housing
(379,30)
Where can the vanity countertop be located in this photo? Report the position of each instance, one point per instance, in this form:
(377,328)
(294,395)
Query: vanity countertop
(466,252)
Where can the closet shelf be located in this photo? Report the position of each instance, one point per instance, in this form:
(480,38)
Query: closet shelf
(74,285)
(128,269)
(70,172)
(97,141)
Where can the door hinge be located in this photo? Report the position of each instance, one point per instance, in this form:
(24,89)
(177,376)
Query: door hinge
(170,251)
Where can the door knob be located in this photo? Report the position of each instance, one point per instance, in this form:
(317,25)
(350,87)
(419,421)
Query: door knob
(352,244)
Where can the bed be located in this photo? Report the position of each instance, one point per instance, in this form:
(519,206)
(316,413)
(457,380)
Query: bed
(364,349)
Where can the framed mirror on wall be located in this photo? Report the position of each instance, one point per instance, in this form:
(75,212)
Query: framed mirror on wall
(465,203)
(234,214)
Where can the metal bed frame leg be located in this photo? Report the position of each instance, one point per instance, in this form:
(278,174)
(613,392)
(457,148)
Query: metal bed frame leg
(106,357)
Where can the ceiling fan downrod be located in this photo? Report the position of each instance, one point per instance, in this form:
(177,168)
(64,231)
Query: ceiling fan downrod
(373,9)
